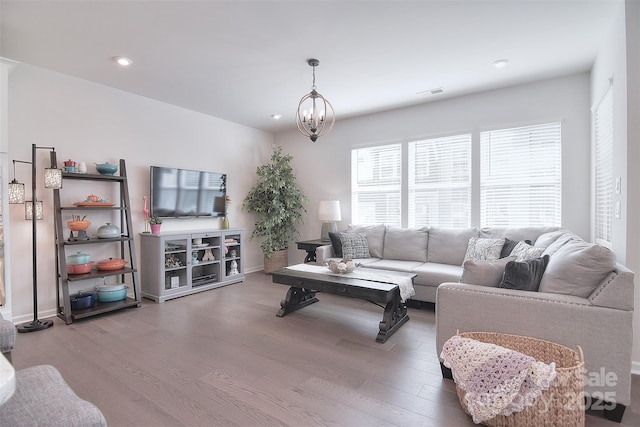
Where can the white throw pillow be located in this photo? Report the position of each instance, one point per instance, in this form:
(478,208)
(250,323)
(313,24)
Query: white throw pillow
(524,251)
(481,249)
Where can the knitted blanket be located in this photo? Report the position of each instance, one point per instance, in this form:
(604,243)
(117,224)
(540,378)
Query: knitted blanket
(496,380)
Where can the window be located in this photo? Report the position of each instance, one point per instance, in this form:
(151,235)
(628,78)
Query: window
(376,185)
(520,176)
(440,182)
(603,164)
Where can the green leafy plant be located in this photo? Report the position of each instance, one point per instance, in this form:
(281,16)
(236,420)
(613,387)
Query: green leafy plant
(155,220)
(277,201)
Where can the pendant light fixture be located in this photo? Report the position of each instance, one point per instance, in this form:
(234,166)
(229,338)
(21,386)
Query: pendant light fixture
(315,116)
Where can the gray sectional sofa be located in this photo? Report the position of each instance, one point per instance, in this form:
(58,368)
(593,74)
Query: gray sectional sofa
(584,296)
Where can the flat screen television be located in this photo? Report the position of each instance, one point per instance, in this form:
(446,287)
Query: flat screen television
(177,193)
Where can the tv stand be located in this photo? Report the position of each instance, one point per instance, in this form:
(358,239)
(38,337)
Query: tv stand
(180,263)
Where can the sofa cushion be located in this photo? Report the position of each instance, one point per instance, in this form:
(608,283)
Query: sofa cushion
(562,240)
(449,245)
(375,236)
(336,243)
(485,273)
(546,239)
(394,265)
(409,244)
(515,233)
(525,275)
(433,273)
(354,245)
(483,249)
(577,268)
(524,251)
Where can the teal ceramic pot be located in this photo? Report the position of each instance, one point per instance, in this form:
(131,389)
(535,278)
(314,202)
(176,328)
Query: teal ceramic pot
(106,168)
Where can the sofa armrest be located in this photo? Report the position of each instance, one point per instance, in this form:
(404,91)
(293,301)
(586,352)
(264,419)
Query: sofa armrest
(563,319)
(616,290)
(323,253)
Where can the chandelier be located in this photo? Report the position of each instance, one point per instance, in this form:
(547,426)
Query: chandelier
(315,116)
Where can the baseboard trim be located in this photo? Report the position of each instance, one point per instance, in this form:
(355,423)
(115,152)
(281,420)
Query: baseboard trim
(29,317)
(635,368)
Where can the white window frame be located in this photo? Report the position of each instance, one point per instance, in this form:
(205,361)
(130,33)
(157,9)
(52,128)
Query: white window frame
(376,174)
(603,181)
(521,176)
(439,181)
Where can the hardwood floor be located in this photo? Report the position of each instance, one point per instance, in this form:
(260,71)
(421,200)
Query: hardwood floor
(222,357)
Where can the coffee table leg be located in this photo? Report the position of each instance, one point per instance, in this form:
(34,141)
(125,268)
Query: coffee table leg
(296,299)
(395,315)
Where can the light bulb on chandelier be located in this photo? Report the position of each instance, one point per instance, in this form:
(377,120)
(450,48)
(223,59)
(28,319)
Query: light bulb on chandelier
(316,119)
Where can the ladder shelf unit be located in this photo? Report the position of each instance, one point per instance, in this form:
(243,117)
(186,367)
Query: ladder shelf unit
(124,246)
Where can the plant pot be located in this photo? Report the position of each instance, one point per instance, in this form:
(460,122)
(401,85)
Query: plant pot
(278,260)
(155,228)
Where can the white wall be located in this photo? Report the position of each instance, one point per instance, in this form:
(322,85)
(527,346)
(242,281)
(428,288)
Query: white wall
(619,58)
(93,123)
(324,166)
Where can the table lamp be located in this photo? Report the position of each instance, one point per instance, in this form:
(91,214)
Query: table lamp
(328,213)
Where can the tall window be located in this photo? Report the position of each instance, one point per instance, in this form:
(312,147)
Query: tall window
(440,182)
(603,163)
(520,176)
(376,184)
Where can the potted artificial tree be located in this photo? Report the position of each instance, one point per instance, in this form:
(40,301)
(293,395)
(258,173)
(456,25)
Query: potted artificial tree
(279,204)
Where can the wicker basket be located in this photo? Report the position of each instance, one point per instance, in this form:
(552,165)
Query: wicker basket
(562,404)
(277,260)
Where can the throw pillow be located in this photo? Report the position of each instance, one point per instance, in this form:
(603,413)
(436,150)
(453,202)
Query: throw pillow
(375,237)
(336,243)
(481,249)
(484,273)
(509,245)
(354,245)
(524,276)
(577,268)
(524,251)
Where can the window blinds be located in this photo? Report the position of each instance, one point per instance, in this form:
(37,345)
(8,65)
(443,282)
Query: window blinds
(439,186)
(376,184)
(603,164)
(520,176)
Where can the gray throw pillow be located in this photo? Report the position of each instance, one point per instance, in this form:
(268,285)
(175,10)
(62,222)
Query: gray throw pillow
(354,245)
(524,276)
(509,245)
(336,243)
(484,273)
(375,237)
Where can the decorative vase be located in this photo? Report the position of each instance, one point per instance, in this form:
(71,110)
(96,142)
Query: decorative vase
(155,228)
(225,222)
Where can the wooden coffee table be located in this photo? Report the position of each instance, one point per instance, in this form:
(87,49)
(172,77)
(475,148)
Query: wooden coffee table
(305,284)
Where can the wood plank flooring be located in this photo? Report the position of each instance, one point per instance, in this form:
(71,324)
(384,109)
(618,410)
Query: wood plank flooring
(222,357)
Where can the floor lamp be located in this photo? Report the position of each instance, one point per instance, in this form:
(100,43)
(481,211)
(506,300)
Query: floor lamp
(34,212)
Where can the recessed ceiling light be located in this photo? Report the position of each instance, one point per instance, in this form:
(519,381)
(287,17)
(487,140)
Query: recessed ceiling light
(276,116)
(500,63)
(123,60)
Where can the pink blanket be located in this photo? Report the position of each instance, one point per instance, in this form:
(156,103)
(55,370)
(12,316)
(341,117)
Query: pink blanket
(496,380)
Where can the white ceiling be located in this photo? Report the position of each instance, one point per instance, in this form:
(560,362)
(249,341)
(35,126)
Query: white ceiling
(246,60)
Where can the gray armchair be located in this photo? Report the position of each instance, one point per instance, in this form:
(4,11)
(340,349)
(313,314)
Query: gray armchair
(7,337)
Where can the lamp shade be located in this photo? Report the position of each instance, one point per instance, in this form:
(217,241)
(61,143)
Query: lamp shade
(329,210)
(16,192)
(28,210)
(53,178)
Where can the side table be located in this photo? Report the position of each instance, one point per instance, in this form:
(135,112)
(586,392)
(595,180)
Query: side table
(310,246)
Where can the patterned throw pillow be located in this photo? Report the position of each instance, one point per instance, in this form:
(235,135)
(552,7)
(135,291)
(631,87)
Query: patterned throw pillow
(524,252)
(482,249)
(354,245)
